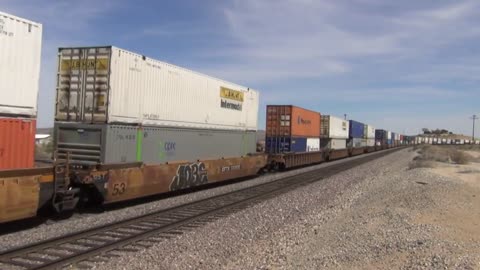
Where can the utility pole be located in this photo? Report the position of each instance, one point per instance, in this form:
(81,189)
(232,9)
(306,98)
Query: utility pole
(474,118)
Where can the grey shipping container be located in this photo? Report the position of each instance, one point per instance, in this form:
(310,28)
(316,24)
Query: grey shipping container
(112,144)
(333,143)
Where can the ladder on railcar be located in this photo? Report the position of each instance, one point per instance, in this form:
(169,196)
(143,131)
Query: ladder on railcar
(65,197)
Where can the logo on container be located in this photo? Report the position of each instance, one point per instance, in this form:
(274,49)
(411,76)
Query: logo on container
(302,121)
(167,149)
(231,99)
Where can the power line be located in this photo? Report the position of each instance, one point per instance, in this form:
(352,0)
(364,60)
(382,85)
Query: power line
(474,118)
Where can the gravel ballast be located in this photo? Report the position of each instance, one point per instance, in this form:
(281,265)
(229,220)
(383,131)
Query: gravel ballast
(378,215)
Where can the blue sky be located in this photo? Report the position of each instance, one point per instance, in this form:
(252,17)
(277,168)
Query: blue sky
(399,65)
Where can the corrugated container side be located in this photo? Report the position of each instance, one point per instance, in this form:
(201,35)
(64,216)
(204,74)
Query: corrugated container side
(291,121)
(20,52)
(356,129)
(369,132)
(125,143)
(285,144)
(17,143)
(380,134)
(170,144)
(357,142)
(118,86)
(370,142)
(333,143)
(334,127)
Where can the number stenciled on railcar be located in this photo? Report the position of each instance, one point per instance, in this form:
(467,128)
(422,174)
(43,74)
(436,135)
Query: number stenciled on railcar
(119,189)
(189,175)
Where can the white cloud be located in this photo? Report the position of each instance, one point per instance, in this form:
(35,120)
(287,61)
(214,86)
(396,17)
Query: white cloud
(305,39)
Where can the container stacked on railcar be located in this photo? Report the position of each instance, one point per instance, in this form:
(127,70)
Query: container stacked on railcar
(134,126)
(115,106)
(334,132)
(20,52)
(381,137)
(292,136)
(369,135)
(356,134)
(292,129)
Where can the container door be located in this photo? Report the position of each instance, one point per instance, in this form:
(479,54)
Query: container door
(83,85)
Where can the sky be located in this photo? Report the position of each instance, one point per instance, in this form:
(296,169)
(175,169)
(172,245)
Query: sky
(397,65)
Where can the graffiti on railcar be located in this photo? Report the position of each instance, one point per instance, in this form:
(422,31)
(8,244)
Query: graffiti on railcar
(189,175)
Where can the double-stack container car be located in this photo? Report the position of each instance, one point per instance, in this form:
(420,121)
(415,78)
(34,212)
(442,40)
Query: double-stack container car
(292,129)
(334,132)
(20,52)
(369,135)
(381,137)
(356,136)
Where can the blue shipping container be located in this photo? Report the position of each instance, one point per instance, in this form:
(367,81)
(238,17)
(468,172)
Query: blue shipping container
(356,129)
(380,135)
(275,145)
(390,142)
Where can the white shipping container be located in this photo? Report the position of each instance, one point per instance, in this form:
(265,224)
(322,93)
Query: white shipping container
(313,144)
(369,132)
(370,142)
(20,52)
(333,143)
(111,85)
(389,135)
(334,127)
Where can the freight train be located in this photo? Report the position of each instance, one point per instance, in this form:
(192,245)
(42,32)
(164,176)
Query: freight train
(128,126)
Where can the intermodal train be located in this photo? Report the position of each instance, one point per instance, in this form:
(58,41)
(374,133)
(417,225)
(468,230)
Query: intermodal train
(128,126)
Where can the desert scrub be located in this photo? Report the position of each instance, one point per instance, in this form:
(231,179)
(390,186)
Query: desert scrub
(428,154)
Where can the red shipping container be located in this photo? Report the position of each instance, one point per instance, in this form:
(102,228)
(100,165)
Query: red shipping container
(17,143)
(288,120)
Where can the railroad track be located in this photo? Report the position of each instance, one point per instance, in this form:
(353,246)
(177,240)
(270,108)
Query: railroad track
(86,248)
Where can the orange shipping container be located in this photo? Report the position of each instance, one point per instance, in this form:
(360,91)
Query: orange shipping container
(17,143)
(288,120)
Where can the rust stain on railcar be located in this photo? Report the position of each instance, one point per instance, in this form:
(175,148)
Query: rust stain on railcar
(145,180)
(19,197)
